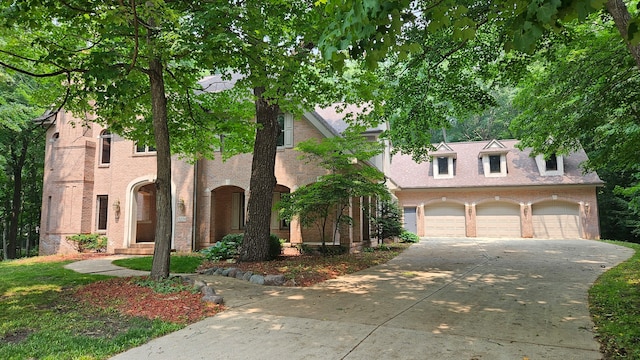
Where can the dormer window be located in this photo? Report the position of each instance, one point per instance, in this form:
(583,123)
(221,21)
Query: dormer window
(443,160)
(494,159)
(443,165)
(494,164)
(553,165)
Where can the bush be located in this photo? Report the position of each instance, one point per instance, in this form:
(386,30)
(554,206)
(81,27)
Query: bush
(388,222)
(88,242)
(227,248)
(408,237)
(275,246)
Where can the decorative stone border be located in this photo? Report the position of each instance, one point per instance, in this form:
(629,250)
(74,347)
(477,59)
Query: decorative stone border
(271,280)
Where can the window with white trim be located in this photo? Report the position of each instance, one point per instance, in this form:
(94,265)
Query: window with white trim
(144,149)
(105,147)
(553,165)
(103,207)
(444,167)
(285,128)
(494,165)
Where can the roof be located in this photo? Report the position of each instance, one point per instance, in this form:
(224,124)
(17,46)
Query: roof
(521,169)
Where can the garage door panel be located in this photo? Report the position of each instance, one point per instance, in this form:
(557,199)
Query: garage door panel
(444,220)
(498,220)
(556,220)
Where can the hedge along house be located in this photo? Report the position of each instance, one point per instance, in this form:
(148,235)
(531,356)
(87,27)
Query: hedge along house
(98,182)
(493,189)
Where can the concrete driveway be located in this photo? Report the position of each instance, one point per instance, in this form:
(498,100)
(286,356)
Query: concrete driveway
(441,299)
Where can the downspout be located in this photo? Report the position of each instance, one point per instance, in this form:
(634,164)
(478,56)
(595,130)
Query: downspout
(195,202)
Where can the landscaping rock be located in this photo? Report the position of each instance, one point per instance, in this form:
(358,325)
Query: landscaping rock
(239,274)
(257,279)
(274,280)
(247,276)
(207,291)
(210,271)
(218,271)
(216,299)
(232,272)
(225,272)
(199,284)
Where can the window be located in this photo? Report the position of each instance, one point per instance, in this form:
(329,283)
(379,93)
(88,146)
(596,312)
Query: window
(237,211)
(103,206)
(443,166)
(105,147)
(276,222)
(494,164)
(285,131)
(141,149)
(551,164)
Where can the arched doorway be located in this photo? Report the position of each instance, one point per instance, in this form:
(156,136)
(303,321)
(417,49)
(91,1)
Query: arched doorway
(227,211)
(145,213)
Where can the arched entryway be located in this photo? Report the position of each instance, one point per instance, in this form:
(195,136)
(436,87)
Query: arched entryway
(228,211)
(145,208)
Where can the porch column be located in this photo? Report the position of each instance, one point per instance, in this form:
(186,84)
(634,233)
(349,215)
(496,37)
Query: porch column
(295,231)
(204,220)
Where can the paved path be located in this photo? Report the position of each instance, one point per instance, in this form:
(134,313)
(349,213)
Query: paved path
(441,299)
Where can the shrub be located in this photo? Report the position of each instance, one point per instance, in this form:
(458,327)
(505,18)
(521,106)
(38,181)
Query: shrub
(275,246)
(227,248)
(408,237)
(88,242)
(388,222)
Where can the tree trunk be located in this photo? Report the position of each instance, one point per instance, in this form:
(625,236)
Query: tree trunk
(255,246)
(16,201)
(162,251)
(621,17)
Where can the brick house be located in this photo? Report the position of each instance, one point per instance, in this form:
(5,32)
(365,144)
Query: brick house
(98,182)
(493,189)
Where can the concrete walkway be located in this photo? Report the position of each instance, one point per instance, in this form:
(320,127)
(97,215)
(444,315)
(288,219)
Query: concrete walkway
(441,299)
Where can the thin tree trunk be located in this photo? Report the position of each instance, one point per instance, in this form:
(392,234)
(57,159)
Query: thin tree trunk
(255,246)
(16,201)
(162,251)
(621,18)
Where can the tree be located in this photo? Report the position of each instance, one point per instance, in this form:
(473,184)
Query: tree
(388,220)
(20,159)
(272,45)
(326,200)
(133,65)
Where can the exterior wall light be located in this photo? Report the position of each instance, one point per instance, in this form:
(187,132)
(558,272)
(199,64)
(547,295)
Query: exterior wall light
(116,209)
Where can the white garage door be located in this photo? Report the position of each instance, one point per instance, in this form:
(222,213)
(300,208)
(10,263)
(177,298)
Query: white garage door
(498,219)
(556,220)
(444,220)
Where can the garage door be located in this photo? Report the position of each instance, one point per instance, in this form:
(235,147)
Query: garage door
(556,220)
(444,220)
(498,219)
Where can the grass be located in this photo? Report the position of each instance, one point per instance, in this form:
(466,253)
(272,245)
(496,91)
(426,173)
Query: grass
(614,303)
(180,263)
(41,319)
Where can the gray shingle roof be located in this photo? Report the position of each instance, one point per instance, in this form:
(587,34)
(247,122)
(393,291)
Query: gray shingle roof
(521,169)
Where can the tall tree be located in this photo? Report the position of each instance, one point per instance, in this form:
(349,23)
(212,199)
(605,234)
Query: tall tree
(132,65)
(21,157)
(271,43)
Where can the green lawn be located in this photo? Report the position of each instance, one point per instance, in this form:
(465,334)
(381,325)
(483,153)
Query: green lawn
(614,302)
(40,319)
(180,264)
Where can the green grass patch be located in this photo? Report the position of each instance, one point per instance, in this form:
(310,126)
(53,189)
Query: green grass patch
(180,263)
(41,319)
(614,302)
